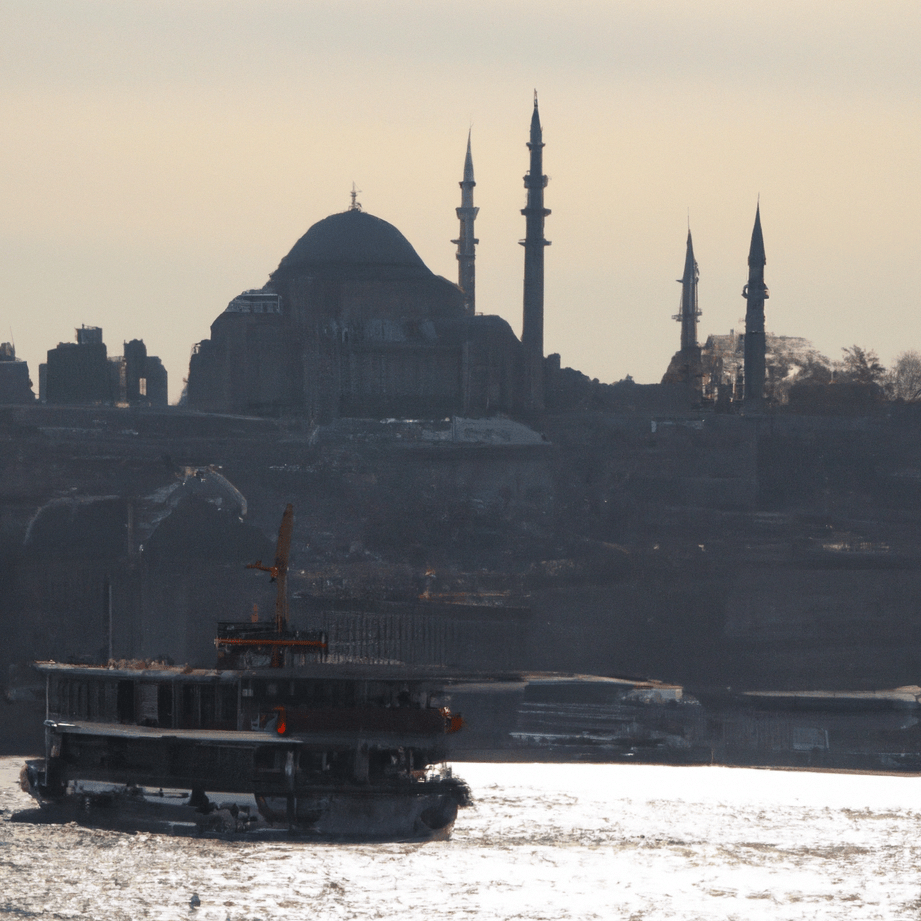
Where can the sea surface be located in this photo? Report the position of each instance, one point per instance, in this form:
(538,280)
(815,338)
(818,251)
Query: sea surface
(543,841)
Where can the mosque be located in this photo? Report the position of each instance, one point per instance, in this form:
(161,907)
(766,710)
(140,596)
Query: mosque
(353,323)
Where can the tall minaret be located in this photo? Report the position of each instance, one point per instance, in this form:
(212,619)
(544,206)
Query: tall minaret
(466,242)
(756,293)
(689,312)
(532,328)
(685,366)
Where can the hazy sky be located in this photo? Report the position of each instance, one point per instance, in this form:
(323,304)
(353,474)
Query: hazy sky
(157,158)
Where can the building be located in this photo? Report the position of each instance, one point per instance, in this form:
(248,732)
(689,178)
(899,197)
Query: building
(81,373)
(748,368)
(15,385)
(142,379)
(353,323)
(78,372)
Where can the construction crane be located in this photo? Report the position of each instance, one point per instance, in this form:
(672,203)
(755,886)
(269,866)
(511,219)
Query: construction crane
(279,569)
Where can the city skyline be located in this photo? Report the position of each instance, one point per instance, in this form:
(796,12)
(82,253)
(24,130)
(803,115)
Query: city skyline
(162,158)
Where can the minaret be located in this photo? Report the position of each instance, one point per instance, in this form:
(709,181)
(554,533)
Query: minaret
(532,328)
(756,293)
(466,242)
(685,366)
(689,311)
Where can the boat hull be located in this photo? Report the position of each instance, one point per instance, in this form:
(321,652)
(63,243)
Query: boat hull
(422,812)
(365,814)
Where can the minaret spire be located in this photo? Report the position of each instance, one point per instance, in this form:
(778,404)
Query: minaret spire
(468,160)
(689,311)
(755,293)
(685,366)
(466,241)
(532,329)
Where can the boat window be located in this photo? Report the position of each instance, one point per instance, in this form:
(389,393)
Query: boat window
(165,703)
(67,698)
(312,763)
(147,709)
(110,701)
(347,694)
(54,692)
(340,764)
(268,758)
(75,699)
(125,701)
(378,694)
(64,699)
(300,692)
(97,700)
(188,714)
(226,717)
(336,692)
(207,705)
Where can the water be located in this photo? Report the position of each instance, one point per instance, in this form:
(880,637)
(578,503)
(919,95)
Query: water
(542,842)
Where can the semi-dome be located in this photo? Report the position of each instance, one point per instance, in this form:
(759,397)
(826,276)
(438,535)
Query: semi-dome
(354,238)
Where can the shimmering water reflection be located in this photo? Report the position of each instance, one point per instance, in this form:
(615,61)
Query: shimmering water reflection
(542,842)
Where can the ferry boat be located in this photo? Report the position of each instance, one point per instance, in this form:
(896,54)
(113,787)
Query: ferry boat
(276,736)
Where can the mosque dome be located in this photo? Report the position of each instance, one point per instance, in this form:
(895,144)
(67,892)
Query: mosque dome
(353,239)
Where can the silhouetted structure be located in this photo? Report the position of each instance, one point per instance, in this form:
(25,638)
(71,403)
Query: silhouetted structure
(466,241)
(685,366)
(353,323)
(145,378)
(82,373)
(78,372)
(532,328)
(689,312)
(755,293)
(723,362)
(15,386)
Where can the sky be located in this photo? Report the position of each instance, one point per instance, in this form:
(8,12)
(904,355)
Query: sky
(158,158)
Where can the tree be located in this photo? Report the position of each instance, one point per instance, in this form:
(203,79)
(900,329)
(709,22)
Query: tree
(903,382)
(814,369)
(861,366)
